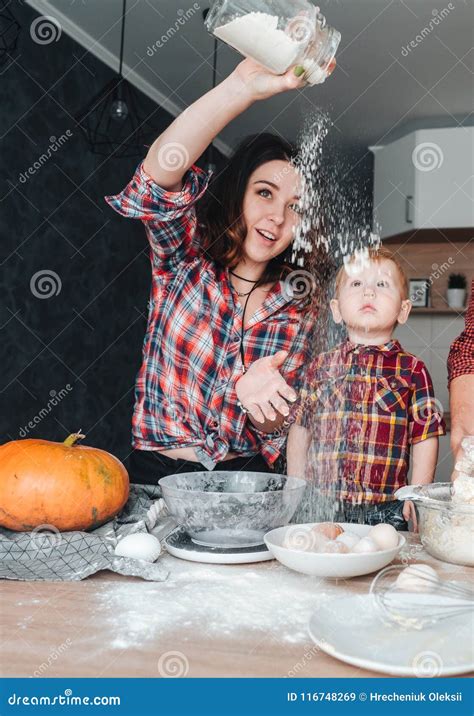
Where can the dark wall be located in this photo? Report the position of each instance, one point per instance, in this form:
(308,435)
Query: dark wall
(89,335)
(69,360)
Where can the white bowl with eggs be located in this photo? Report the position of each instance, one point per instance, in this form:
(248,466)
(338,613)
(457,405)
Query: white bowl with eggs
(302,557)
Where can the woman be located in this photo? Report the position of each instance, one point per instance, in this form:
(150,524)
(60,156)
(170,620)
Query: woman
(225,338)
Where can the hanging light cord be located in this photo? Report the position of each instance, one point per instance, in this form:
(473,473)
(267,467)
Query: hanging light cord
(122,37)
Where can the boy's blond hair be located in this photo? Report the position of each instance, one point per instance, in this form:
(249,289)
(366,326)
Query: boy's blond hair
(377,255)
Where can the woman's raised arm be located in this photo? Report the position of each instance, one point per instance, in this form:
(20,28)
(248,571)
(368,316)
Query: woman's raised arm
(188,136)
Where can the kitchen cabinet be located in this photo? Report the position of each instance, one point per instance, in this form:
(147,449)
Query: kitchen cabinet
(425,180)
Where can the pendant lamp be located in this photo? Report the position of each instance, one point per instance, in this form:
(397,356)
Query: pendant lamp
(9,32)
(113,121)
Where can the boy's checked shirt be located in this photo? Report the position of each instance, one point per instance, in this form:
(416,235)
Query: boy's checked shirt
(365,406)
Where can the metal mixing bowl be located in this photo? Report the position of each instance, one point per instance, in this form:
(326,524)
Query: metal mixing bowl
(446,528)
(231,509)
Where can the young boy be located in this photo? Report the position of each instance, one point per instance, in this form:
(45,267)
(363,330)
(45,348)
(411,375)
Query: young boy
(367,402)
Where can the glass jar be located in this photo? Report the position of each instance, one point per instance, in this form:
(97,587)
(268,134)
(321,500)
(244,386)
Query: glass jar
(277,34)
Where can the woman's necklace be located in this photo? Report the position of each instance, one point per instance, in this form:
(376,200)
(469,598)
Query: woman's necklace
(248,280)
(239,294)
(242,328)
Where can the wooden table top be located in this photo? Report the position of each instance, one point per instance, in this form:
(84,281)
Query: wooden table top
(205,620)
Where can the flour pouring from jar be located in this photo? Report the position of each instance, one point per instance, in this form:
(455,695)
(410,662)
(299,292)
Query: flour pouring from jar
(277,34)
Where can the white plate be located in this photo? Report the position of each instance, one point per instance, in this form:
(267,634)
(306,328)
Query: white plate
(349,629)
(180,545)
(335,566)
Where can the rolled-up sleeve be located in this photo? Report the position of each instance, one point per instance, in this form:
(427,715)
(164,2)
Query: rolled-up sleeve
(169,217)
(425,412)
(461,354)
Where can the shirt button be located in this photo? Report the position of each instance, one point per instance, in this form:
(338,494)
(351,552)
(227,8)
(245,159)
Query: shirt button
(359,406)
(214,424)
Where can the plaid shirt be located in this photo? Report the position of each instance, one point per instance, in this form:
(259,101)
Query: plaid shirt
(365,406)
(461,355)
(185,389)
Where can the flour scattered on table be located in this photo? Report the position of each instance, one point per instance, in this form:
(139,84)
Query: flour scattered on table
(215,601)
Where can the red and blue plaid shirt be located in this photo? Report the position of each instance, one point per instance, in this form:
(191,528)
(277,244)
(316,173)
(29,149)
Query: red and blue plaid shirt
(461,354)
(364,407)
(185,389)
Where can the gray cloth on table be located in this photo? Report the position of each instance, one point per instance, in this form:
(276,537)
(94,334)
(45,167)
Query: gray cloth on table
(48,555)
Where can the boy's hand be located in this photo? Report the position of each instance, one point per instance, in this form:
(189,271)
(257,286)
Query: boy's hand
(409,513)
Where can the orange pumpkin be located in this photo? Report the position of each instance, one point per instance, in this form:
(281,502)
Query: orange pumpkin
(68,486)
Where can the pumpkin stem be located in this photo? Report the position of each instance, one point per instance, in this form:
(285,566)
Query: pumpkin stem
(73,438)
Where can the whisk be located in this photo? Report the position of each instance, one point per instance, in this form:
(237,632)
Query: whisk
(415,597)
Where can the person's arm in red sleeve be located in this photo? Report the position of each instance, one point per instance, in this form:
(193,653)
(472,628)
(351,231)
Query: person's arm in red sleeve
(169,217)
(186,139)
(167,184)
(461,382)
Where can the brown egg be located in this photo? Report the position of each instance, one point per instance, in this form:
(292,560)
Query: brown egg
(328,529)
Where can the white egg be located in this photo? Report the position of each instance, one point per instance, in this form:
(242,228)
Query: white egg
(139,546)
(384,536)
(417,578)
(365,545)
(350,539)
(333,546)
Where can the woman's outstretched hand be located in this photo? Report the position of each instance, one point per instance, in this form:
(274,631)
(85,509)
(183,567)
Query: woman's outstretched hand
(260,83)
(263,391)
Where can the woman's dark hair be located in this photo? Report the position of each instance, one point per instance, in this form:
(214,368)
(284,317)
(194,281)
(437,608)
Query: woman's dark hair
(220,212)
